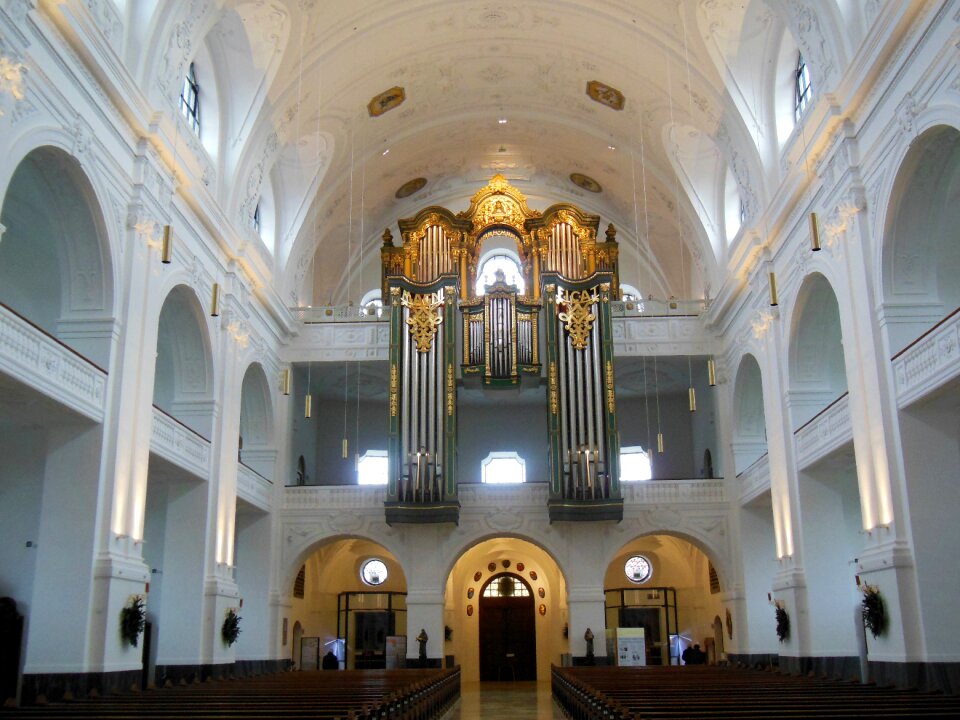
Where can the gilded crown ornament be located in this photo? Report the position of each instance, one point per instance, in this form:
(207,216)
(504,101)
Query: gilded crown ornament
(573,310)
(424,318)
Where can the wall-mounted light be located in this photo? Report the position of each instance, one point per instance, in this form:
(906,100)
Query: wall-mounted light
(773,290)
(215,301)
(166,246)
(285,381)
(814,233)
(711,373)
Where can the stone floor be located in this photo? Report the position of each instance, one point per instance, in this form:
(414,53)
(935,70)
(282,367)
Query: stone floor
(505,700)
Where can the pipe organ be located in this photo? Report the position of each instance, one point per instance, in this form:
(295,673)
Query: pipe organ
(430,276)
(584,445)
(501,338)
(423,408)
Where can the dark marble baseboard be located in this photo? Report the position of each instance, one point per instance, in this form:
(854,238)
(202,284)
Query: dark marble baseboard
(53,686)
(757,661)
(839,668)
(927,677)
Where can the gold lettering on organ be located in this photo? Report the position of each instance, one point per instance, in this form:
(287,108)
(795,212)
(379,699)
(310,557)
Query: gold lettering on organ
(394,382)
(554,400)
(451,384)
(574,311)
(610,402)
(424,317)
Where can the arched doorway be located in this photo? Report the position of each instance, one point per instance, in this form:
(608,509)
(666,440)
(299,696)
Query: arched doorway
(508,633)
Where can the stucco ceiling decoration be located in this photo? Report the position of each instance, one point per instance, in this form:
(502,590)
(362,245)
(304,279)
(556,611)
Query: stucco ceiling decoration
(466,64)
(605,95)
(386,101)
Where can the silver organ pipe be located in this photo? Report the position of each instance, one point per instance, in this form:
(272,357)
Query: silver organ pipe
(435,255)
(563,252)
(598,405)
(565,444)
(429,404)
(572,406)
(405,428)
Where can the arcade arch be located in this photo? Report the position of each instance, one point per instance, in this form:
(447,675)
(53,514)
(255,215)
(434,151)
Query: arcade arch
(55,267)
(750,426)
(471,573)
(921,258)
(674,604)
(921,287)
(342,611)
(818,375)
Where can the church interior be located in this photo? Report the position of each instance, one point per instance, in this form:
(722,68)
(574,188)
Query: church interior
(477,334)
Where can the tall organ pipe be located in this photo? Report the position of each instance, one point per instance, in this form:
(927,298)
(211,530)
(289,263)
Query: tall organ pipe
(599,398)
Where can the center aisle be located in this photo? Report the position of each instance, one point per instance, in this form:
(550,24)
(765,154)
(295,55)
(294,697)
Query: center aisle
(501,700)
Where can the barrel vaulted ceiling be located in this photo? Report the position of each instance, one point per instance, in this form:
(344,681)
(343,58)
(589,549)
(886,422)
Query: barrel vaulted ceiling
(294,79)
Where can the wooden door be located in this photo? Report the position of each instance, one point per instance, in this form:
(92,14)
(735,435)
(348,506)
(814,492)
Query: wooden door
(508,634)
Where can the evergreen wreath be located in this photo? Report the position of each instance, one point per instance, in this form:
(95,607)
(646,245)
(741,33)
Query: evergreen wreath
(783,622)
(133,617)
(231,627)
(872,610)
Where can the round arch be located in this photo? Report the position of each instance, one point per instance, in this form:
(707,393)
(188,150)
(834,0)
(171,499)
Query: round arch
(750,426)
(817,369)
(920,260)
(291,566)
(56,266)
(474,568)
(184,378)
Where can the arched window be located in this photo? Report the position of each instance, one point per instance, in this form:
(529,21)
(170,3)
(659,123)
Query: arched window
(634,464)
(801,87)
(372,303)
(190,99)
(503,467)
(629,293)
(506,585)
(372,468)
(507,263)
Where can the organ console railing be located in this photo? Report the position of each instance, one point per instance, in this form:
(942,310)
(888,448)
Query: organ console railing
(582,421)
(422,483)
(501,336)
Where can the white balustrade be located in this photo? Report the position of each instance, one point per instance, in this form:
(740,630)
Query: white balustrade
(929,363)
(254,488)
(824,433)
(180,445)
(755,480)
(50,367)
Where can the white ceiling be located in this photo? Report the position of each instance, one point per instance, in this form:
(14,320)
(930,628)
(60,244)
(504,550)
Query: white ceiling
(300,82)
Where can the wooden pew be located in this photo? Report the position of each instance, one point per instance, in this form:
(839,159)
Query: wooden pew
(711,692)
(342,695)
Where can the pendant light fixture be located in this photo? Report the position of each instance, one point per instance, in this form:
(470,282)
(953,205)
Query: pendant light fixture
(814,233)
(773,289)
(711,373)
(285,381)
(656,380)
(308,400)
(166,246)
(215,301)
